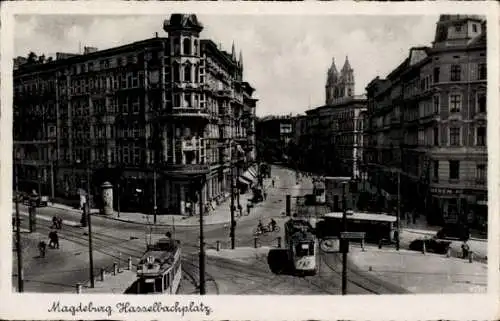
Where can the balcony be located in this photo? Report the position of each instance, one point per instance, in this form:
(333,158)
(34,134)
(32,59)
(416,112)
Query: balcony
(187,169)
(179,112)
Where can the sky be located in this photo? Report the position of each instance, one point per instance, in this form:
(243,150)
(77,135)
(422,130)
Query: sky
(286,57)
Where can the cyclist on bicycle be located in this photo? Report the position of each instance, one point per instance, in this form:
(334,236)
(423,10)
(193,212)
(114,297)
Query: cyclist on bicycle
(260,226)
(272,224)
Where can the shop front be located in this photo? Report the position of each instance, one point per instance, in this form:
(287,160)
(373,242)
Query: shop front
(458,206)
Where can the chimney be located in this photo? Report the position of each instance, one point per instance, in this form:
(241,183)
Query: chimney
(156,34)
(88,50)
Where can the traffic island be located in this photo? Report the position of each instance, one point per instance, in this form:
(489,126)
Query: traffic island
(419,273)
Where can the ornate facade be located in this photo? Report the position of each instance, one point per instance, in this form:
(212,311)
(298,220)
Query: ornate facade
(427,120)
(173,108)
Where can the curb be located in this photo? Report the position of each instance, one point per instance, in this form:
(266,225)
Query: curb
(426,233)
(96,214)
(48,219)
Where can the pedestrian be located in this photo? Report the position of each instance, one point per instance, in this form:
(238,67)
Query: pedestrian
(54,222)
(265,195)
(249,206)
(42,247)
(465,250)
(272,182)
(51,239)
(240,209)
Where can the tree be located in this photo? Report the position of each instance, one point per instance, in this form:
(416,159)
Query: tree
(32,57)
(41,59)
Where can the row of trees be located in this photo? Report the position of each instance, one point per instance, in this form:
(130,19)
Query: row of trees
(33,58)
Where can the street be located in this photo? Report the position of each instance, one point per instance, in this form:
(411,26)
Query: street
(116,241)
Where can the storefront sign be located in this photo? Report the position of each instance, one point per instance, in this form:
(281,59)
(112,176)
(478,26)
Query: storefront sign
(445,191)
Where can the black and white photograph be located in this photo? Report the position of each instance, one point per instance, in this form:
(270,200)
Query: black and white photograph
(193,153)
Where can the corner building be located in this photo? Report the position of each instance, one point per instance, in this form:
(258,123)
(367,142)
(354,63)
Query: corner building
(175,108)
(427,120)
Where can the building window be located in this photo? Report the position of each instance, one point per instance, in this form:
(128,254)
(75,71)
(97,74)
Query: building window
(481,173)
(435,173)
(187,72)
(187,100)
(436,74)
(196,52)
(455,73)
(436,103)
(177,100)
(176,72)
(481,102)
(455,103)
(436,136)
(187,46)
(474,28)
(177,46)
(454,136)
(481,136)
(454,169)
(482,74)
(136,105)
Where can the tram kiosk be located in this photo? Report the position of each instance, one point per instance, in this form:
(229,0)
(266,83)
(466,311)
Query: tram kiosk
(159,270)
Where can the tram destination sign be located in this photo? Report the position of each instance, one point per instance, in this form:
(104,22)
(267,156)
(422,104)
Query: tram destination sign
(352,235)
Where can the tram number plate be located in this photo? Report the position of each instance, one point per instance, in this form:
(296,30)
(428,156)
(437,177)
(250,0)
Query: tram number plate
(352,235)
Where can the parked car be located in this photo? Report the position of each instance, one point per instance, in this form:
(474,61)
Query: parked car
(454,231)
(431,245)
(38,201)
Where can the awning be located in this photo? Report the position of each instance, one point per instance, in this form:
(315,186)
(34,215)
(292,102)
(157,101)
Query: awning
(253,171)
(244,180)
(248,177)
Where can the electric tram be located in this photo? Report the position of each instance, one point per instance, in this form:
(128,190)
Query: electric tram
(301,246)
(159,270)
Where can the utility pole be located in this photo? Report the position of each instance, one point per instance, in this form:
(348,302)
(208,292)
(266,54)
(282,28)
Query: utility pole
(233,223)
(52,188)
(118,200)
(237,189)
(398,211)
(344,242)
(91,254)
(202,241)
(20,276)
(154,194)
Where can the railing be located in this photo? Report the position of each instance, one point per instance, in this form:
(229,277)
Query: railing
(189,168)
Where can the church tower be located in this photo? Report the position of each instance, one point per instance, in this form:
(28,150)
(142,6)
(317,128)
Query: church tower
(331,80)
(339,85)
(347,79)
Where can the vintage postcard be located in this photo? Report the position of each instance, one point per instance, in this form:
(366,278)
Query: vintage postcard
(249,160)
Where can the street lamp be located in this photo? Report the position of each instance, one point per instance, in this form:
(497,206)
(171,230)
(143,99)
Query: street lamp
(86,217)
(20,276)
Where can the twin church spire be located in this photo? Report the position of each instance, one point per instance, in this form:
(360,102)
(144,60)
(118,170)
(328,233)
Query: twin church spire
(339,85)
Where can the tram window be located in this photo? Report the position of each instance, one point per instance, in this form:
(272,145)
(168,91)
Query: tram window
(147,286)
(158,285)
(304,249)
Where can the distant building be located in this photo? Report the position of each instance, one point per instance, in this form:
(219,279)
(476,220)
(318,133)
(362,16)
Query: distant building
(427,120)
(333,141)
(173,108)
(277,130)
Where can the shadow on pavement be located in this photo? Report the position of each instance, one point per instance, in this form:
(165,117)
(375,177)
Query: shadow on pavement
(132,289)
(278,262)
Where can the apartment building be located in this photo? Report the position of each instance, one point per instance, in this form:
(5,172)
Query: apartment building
(334,132)
(158,115)
(427,122)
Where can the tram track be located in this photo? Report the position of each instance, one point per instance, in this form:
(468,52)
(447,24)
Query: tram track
(102,242)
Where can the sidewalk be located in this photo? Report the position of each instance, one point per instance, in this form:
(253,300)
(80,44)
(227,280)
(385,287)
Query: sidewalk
(419,273)
(220,215)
